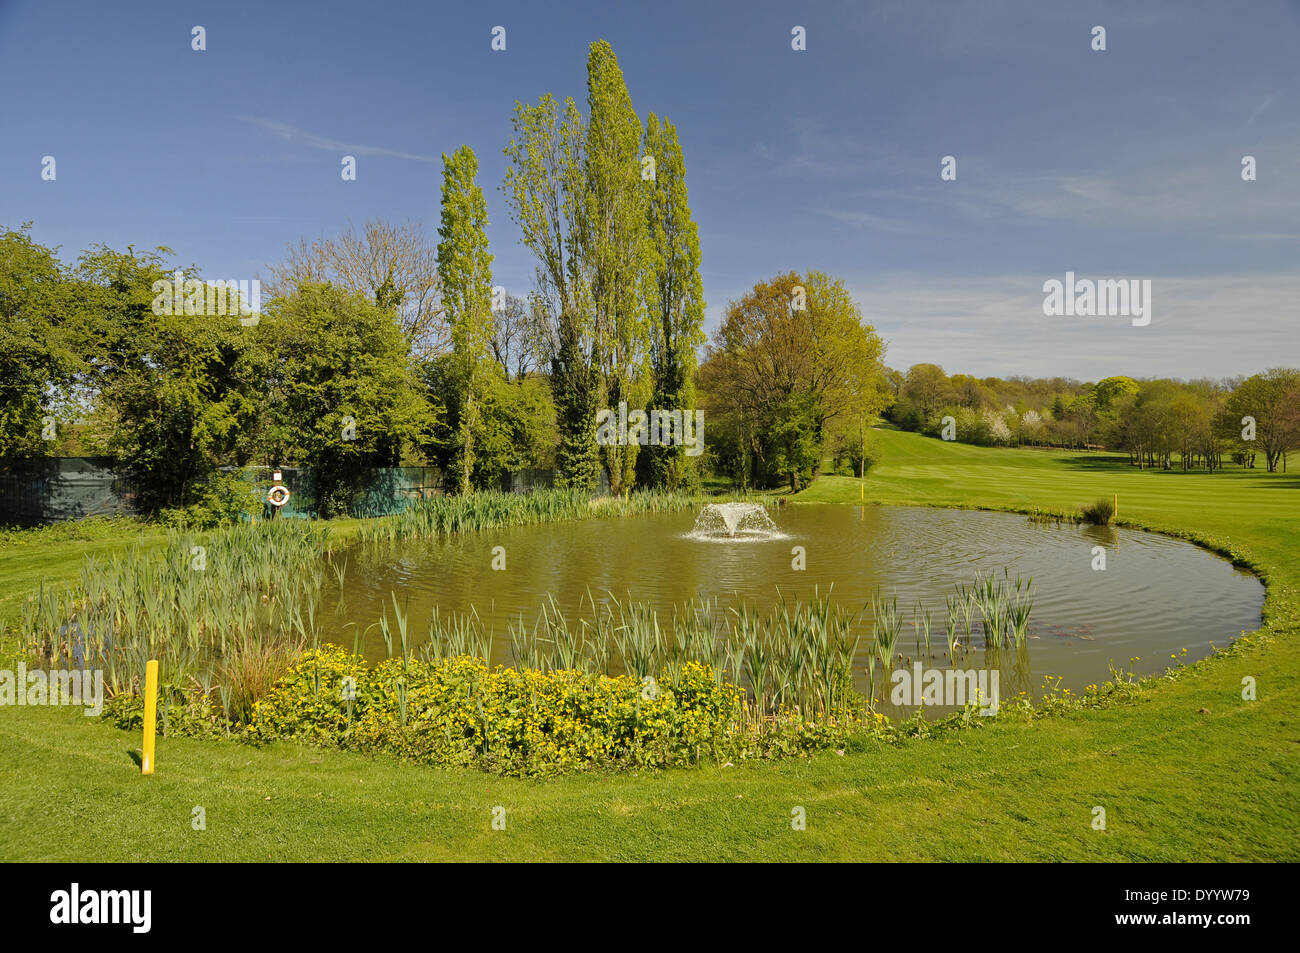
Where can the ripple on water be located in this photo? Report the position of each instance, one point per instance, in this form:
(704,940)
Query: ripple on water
(1156,597)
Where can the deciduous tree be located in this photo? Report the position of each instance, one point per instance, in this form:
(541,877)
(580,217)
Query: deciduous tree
(674,295)
(466,269)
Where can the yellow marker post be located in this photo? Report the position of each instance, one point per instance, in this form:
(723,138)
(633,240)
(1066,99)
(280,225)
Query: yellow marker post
(150,715)
(1116,511)
(862,469)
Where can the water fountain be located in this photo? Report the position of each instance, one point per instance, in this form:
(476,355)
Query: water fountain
(734,521)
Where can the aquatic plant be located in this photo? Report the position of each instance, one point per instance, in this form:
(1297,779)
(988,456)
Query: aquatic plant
(490,509)
(953,605)
(1004,608)
(197,604)
(1021,604)
(923,622)
(1099,513)
(886,627)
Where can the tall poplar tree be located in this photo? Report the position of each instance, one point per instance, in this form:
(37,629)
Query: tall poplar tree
(614,242)
(674,295)
(465,267)
(544,187)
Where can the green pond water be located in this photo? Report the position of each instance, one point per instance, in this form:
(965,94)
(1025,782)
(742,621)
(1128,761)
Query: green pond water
(1156,597)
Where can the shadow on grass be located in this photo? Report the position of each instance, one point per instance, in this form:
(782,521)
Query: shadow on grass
(1098,463)
(1093,461)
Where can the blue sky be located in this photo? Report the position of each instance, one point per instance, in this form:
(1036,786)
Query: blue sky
(1117,164)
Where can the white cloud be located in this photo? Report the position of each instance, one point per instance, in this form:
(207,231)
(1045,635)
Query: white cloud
(1201,327)
(290,133)
(1268,101)
(879,223)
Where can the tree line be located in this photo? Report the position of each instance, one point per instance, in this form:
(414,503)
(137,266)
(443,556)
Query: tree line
(382,346)
(1158,422)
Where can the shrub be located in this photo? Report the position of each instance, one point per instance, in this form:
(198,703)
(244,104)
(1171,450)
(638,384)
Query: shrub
(311,702)
(1032,427)
(85,529)
(455,711)
(969,425)
(221,500)
(192,713)
(1099,513)
(847,451)
(997,430)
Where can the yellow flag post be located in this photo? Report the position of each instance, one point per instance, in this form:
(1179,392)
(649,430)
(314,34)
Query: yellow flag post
(862,468)
(150,715)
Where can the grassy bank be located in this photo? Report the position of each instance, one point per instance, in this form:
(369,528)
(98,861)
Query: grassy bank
(1186,771)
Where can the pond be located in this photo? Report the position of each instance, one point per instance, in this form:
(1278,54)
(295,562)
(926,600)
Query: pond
(1156,597)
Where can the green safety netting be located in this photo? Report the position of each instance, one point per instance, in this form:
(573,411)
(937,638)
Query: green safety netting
(61,488)
(51,489)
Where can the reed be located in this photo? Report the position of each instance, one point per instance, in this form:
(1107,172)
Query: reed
(923,621)
(197,601)
(1004,608)
(1021,603)
(602,628)
(523,646)
(639,638)
(1099,513)
(247,674)
(747,631)
(951,619)
(992,608)
(886,628)
(490,509)
(798,659)
(565,642)
(969,608)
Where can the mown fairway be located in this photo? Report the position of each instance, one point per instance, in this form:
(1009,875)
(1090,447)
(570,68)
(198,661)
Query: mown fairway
(1177,782)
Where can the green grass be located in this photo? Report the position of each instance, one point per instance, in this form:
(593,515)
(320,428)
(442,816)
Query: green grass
(1186,771)
(23,566)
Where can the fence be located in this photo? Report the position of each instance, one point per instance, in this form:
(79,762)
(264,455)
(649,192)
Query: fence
(385,490)
(62,488)
(68,488)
